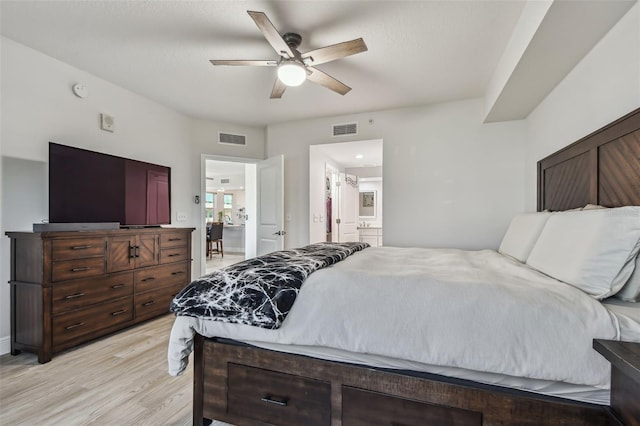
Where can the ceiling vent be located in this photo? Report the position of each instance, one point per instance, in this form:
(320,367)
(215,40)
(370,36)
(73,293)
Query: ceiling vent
(345,129)
(224,180)
(231,139)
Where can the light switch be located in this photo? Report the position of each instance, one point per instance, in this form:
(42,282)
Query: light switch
(181,216)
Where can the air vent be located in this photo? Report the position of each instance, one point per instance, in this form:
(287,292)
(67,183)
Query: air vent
(345,129)
(224,180)
(231,139)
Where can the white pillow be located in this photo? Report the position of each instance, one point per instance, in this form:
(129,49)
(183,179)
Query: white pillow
(522,234)
(593,250)
(631,290)
(593,207)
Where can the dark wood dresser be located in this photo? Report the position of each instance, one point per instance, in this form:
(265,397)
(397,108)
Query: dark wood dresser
(68,288)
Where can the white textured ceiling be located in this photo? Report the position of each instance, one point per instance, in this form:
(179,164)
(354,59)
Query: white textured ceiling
(420,52)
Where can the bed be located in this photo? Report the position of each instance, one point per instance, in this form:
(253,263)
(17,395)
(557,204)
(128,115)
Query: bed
(522,347)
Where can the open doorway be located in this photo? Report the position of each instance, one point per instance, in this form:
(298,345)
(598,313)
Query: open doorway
(345,192)
(229,211)
(252,215)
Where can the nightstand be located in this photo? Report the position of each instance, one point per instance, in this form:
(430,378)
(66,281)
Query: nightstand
(625,378)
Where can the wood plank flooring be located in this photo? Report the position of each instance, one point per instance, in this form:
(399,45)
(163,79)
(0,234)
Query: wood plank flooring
(118,380)
(217,262)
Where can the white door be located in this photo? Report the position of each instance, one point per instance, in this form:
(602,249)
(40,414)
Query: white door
(348,209)
(270,217)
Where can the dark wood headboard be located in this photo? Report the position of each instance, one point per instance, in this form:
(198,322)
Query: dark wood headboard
(601,168)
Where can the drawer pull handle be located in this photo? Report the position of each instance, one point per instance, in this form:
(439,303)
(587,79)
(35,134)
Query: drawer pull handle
(175,239)
(282,402)
(73,296)
(149,303)
(177,273)
(80,247)
(120,312)
(148,279)
(71,327)
(117,286)
(85,268)
(173,254)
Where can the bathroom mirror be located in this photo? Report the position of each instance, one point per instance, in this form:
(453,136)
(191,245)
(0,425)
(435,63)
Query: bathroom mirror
(367,204)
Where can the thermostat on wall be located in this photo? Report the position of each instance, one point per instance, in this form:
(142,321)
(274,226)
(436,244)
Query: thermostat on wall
(80,90)
(107,122)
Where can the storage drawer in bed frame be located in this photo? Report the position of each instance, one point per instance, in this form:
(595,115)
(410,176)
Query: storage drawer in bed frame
(277,398)
(354,390)
(365,408)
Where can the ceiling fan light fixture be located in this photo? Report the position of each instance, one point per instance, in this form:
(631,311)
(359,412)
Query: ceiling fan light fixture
(291,73)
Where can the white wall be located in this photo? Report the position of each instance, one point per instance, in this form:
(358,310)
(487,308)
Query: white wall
(604,86)
(38,106)
(204,140)
(458,181)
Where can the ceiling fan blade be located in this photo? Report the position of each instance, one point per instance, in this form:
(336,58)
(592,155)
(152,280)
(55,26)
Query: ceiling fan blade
(335,51)
(271,34)
(278,89)
(244,62)
(327,81)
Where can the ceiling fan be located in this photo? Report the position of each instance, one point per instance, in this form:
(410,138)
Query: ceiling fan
(295,67)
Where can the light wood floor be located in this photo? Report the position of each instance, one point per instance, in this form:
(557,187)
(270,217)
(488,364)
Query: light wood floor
(118,380)
(217,262)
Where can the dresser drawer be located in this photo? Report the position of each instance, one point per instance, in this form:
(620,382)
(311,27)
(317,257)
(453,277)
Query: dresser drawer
(175,254)
(366,408)
(156,302)
(81,268)
(80,293)
(77,323)
(173,239)
(277,398)
(77,248)
(161,276)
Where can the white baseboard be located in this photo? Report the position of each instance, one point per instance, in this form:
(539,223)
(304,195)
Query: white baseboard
(5,345)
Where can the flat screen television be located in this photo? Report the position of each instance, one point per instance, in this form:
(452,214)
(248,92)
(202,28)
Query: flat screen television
(90,187)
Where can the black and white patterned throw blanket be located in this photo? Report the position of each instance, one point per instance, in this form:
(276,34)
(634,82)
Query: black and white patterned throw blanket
(258,291)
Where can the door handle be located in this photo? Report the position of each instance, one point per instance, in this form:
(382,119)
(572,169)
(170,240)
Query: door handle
(280,233)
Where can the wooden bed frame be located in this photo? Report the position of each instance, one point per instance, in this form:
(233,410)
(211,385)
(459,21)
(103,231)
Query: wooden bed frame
(601,168)
(244,385)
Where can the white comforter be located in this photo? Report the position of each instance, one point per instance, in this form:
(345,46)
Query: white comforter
(477,310)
